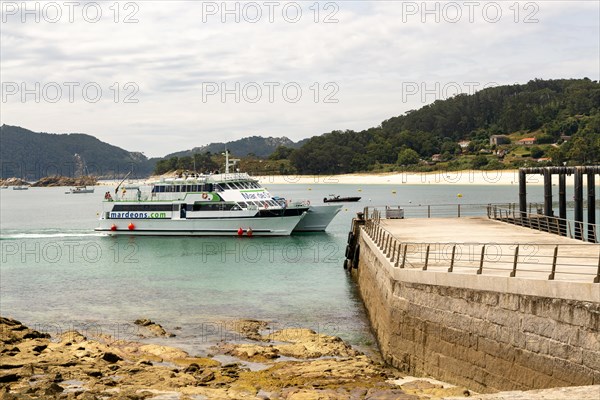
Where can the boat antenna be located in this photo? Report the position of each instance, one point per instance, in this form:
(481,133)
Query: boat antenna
(120,183)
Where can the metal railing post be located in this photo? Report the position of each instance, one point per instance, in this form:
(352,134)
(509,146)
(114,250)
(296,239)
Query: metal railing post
(597,278)
(515,261)
(404,256)
(452,259)
(426,258)
(553,272)
(480,270)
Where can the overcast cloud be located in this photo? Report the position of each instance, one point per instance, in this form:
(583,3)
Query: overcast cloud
(162,65)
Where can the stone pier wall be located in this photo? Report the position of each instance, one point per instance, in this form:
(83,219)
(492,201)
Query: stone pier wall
(483,332)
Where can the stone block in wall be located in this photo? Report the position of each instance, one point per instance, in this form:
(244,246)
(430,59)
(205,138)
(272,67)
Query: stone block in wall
(589,340)
(509,301)
(591,359)
(455,336)
(522,375)
(538,325)
(542,363)
(496,349)
(574,374)
(503,317)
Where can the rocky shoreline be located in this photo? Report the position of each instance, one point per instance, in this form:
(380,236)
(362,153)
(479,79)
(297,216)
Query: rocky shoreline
(294,364)
(52,181)
(288,364)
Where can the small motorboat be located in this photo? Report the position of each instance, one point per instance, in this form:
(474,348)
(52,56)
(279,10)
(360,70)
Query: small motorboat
(80,189)
(333,199)
(20,187)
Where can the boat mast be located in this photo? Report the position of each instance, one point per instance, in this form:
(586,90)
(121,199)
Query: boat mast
(229,163)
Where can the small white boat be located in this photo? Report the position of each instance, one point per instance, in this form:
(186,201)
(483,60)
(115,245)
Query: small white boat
(20,187)
(80,189)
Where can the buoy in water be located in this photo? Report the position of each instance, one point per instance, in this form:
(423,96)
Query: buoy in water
(459,195)
(393,191)
(360,190)
(240,232)
(131,226)
(113,227)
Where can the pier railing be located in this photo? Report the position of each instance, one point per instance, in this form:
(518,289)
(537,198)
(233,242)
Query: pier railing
(545,261)
(551,224)
(438,210)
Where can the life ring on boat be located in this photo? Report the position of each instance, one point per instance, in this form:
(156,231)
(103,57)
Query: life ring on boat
(204,196)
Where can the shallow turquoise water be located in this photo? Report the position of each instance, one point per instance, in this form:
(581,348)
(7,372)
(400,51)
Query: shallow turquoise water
(57,274)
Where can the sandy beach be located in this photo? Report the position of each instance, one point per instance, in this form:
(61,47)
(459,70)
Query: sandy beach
(467,177)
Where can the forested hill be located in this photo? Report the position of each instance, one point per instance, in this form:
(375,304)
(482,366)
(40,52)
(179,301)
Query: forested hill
(32,155)
(253,145)
(544,109)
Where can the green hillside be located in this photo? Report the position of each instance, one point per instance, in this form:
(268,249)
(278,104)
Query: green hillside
(545,109)
(33,155)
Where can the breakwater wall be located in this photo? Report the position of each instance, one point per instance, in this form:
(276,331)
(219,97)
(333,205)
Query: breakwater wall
(487,333)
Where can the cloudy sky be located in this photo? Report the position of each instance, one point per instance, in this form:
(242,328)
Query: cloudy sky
(161,76)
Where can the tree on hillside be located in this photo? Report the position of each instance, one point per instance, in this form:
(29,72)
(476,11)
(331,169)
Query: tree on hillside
(408,157)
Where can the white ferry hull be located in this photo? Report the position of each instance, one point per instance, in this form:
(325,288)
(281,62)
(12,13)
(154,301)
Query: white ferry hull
(259,226)
(318,218)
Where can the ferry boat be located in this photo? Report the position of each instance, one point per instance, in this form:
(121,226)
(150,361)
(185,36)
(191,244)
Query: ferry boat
(80,190)
(316,219)
(221,204)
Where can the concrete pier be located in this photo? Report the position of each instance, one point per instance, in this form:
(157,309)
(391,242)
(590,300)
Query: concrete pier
(480,303)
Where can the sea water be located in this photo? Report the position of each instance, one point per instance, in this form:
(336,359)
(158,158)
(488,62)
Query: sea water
(57,274)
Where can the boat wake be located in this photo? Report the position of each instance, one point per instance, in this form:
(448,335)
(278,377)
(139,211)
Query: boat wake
(7,235)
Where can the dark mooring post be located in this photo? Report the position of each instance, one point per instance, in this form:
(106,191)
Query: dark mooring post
(562,203)
(591,206)
(548,193)
(522,192)
(578,197)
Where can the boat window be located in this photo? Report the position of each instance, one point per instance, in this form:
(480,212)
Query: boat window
(209,187)
(243,204)
(213,206)
(142,207)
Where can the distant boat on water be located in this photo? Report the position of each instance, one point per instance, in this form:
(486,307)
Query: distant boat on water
(20,187)
(332,199)
(80,189)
